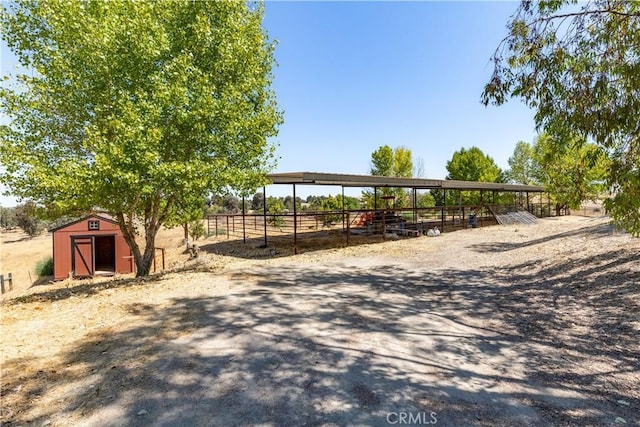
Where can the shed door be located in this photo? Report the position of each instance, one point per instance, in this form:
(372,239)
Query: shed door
(82,260)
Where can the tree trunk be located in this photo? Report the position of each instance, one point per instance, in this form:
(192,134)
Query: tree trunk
(142,260)
(154,217)
(145,262)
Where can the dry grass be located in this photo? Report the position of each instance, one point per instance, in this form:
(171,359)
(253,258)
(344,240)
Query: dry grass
(19,255)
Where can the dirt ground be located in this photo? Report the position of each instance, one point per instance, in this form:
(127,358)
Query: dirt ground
(498,326)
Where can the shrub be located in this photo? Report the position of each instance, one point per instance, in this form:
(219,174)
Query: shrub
(196,229)
(44,267)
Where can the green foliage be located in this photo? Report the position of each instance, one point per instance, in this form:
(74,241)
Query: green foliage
(185,213)
(28,220)
(315,202)
(386,161)
(225,204)
(473,165)
(571,171)
(318,203)
(230,203)
(196,229)
(382,161)
(579,71)
(288,203)
(275,205)
(468,165)
(140,108)
(332,204)
(402,162)
(523,168)
(425,200)
(8,218)
(44,267)
(257,203)
(351,203)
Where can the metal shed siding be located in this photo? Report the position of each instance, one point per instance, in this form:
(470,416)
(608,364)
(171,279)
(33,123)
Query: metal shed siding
(63,257)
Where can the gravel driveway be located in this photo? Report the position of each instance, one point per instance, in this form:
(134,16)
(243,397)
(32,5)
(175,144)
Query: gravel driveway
(499,326)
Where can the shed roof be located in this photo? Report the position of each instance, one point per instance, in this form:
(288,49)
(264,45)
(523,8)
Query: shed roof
(103,217)
(347,180)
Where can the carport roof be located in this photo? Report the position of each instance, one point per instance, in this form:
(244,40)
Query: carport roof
(346,180)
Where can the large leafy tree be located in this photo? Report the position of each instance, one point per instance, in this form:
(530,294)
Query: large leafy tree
(402,162)
(522,167)
(577,65)
(473,165)
(382,161)
(386,161)
(571,171)
(139,108)
(468,165)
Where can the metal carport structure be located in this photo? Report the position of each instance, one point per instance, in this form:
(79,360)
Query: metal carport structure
(373,181)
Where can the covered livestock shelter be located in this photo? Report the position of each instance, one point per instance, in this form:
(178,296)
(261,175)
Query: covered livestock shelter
(492,203)
(90,246)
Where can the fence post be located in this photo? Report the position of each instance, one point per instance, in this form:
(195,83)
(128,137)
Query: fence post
(10,281)
(2,283)
(348,228)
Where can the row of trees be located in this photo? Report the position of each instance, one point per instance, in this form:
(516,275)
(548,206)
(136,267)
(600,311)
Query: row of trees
(22,216)
(465,165)
(233,204)
(25,217)
(572,171)
(571,176)
(143,109)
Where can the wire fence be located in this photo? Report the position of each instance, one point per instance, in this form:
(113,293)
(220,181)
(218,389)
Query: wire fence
(380,223)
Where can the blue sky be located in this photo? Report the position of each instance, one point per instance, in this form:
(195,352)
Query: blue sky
(353,76)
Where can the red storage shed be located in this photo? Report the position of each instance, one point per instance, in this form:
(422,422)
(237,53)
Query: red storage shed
(93,245)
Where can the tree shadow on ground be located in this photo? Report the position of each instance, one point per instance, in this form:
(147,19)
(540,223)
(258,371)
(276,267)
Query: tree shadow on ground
(284,246)
(83,288)
(337,345)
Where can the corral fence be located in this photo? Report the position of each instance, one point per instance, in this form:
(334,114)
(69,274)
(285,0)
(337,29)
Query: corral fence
(380,224)
(590,211)
(6,283)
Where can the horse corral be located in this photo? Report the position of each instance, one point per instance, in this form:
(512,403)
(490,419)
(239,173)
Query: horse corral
(300,231)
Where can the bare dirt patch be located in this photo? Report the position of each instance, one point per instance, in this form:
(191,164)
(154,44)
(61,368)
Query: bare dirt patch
(505,325)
